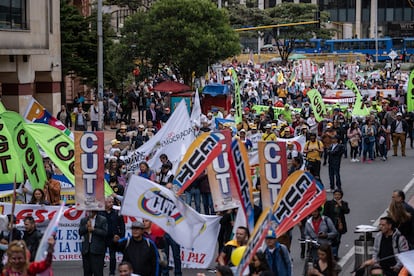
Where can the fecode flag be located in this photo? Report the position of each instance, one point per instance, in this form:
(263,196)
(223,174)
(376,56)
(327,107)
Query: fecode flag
(89,170)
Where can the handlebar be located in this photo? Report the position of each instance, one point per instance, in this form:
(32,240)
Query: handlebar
(314,242)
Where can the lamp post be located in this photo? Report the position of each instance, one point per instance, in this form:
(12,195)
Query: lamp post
(100,67)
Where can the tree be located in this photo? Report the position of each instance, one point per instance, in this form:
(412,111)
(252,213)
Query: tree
(293,13)
(188,35)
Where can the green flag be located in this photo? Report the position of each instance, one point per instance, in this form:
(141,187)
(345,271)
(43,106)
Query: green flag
(410,94)
(10,165)
(26,149)
(59,147)
(318,106)
(238,105)
(359,107)
(2,108)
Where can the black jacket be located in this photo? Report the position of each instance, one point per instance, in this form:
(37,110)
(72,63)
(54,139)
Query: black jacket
(32,241)
(394,126)
(335,155)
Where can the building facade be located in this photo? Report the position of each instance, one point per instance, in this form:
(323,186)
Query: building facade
(30,55)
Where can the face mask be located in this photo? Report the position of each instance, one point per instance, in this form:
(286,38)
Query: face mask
(123,170)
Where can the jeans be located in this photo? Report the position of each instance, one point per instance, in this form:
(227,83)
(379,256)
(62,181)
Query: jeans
(369,148)
(193,193)
(175,248)
(94,125)
(112,259)
(207,203)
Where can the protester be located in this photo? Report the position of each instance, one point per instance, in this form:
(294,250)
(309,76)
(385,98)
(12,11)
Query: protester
(93,229)
(336,209)
(258,265)
(31,236)
(116,231)
(242,236)
(277,255)
(388,244)
(39,197)
(325,263)
(19,264)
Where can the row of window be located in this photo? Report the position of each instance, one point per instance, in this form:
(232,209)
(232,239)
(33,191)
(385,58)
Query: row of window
(13,14)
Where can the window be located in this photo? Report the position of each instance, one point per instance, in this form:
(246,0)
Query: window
(13,14)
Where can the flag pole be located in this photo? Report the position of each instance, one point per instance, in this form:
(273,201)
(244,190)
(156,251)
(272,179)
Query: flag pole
(13,209)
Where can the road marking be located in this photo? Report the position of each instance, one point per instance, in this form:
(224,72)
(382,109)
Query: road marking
(351,251)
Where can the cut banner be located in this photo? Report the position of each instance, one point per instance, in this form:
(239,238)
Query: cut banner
(199,155)
(222,184)
(173,139)
(146,199)
(273,170)
(241,174)
(89,170)
(300,195)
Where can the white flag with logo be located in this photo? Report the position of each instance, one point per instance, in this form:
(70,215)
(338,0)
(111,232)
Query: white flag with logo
(173,139)
(146,199)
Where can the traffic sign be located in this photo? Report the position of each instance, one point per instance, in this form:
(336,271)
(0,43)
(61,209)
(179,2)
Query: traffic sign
(393,55)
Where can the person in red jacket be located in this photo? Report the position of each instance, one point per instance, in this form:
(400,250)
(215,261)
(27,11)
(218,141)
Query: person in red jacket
(18,259)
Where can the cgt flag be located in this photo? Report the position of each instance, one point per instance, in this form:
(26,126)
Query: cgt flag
(146,199)
(359,107)
(199,155)
(318,106)
(410,93)
(89,170)
(26,149)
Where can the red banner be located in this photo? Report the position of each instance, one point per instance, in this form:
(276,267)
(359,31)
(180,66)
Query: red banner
(300,195)
(222,185)
(273,170)
(89,170)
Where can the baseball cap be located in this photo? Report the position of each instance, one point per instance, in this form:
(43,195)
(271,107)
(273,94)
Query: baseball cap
(399,114)
(232,110)
(268,126)
(271,234)
(137,224)
(114,142)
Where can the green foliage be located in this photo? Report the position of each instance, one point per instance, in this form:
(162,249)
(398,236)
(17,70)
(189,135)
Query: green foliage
(79,44)
(188,35)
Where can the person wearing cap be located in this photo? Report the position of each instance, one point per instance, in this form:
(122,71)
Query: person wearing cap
(306,110)
(121,133)
(269,135)
(287,114)
(335,152)
(231,115)
(139,137)
(254,136)
(398,132)
(93,229)
(277,255)
(217,113)
(139,251)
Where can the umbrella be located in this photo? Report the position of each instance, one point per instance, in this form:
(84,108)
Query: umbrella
(171,86)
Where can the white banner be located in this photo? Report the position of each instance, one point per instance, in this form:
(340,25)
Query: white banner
(307,70)
(347,93)
(173,139)
(68,241)
(146,199)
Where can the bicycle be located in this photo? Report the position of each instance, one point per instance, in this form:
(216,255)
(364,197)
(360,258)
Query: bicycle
(309,245)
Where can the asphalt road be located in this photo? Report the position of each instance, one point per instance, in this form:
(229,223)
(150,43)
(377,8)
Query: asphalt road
(367,188)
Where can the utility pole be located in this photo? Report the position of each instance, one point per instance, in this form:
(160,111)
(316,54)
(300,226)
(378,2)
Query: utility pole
(101,124)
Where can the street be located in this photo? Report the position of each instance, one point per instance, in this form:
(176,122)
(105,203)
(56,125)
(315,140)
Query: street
(367,188)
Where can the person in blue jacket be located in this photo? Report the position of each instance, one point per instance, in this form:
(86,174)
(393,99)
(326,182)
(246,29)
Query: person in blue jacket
(277,255)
